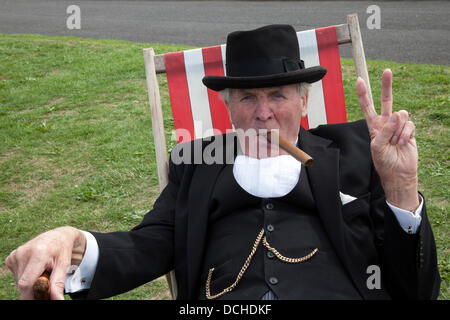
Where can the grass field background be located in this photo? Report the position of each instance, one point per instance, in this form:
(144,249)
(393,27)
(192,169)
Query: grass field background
(76,146)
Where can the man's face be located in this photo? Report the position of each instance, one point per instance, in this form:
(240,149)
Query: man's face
(268,108)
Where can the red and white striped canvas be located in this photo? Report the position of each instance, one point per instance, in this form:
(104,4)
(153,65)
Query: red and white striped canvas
(199,110)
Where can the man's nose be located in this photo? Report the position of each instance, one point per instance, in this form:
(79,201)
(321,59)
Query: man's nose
(263,110)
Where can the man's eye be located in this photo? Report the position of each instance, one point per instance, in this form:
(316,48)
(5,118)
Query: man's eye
(278,95)
(246,98)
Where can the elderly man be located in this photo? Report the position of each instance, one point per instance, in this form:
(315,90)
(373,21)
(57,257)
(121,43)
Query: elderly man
(352,226)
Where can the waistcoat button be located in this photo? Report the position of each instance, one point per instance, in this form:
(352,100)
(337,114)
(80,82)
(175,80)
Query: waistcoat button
(270,228)
(273,280)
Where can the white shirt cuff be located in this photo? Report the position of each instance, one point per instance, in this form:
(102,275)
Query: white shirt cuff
(409,221)
(80,278)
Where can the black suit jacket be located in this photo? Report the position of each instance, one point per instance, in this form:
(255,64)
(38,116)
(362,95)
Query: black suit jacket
(364,232)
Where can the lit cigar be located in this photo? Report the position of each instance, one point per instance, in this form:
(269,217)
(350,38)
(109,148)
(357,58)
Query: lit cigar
(41,288)
(297,153)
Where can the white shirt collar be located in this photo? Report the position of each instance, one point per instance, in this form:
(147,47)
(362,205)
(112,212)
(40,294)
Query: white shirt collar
(269,177)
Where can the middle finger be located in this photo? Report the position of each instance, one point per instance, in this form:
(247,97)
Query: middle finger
(386,94)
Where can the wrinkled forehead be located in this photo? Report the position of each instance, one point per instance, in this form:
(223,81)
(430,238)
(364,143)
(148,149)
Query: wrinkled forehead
(285,88)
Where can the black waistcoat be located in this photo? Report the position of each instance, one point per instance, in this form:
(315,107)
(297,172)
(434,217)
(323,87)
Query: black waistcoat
(292,226)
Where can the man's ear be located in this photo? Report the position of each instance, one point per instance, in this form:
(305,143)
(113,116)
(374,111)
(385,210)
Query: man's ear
(304,104)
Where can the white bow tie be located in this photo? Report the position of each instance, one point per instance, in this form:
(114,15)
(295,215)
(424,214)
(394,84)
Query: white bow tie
(269,177)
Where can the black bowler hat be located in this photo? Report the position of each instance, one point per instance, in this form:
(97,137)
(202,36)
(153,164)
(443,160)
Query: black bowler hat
(264,57)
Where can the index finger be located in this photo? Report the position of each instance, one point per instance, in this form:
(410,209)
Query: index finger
(27,278)
(367,107)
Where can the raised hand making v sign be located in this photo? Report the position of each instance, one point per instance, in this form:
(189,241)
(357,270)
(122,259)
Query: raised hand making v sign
(393,146)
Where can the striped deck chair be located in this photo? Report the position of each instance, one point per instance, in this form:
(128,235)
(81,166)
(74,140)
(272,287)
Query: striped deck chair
(198,112)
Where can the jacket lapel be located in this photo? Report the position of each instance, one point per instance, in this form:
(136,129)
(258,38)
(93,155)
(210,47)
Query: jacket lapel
(324,180)
(203,181)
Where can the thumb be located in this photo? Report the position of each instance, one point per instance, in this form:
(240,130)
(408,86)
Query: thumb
(385,134)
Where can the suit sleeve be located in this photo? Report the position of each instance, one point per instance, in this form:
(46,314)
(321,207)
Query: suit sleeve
(130,259)
(409,261)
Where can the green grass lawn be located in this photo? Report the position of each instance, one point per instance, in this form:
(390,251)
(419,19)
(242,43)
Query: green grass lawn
(77,148)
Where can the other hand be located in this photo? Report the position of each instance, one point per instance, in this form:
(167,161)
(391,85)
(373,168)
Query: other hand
(53,251)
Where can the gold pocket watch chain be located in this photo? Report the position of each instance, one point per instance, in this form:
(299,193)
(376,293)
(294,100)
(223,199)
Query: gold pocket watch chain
(247,263)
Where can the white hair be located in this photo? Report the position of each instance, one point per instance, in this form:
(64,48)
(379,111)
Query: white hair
(225,95)
(303,89)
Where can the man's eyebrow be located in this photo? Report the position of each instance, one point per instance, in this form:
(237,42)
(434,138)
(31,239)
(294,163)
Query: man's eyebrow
(243,92)
(275,90)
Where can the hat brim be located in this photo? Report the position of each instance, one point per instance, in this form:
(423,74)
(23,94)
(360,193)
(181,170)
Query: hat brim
(309,75)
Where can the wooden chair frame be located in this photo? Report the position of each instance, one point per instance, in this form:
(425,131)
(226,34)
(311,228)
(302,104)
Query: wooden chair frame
(154,64)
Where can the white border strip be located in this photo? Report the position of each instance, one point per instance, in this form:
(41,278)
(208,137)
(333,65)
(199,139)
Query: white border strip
(223,49)
(309,53)
(198,93)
